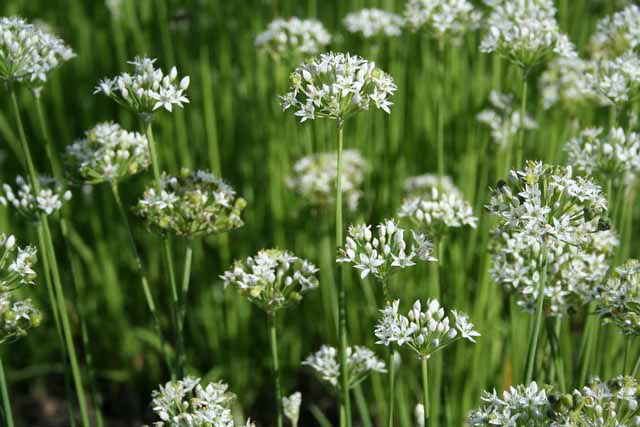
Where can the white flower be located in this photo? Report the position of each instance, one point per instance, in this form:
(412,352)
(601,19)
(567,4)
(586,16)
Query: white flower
(337,85)
(617,33)
(619,301)
(360,363)
(525,32)
(49,199)
(28,53)
(147,89)
(444,19)
(527,403)
(291,407)
(503,119)
(373,23)
(616,80)
(565,82)
(293,36)
(107,153)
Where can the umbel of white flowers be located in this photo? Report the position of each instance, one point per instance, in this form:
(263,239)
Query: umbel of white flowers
(186,403)
(361,362)
(607,156)
(107,153)
(442,19)
(424,332)
(552,223)
(503,119)
(619,301)
(147,89)
(314,178)
(272,279)
(336,86)
(617,33)
(385,251)
(525,32)
(17,317)
(190,205)
(565,82)
(291,407)
(293,36)
(370,23)
(48,201)
(28,53)
(599,403)
(616,80)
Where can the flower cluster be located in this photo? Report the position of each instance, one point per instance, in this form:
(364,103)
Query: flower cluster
(47,201)
(192,204)
(17,318)
(421,184)
(619,301)
(293,36)
(29,53)
(503,119)
(385,252)
(444,19)
(147,89)
(291,407)
(373,23)
(525,32)
(314,178)
(272,279)
(424,332)
(617,33)
(615,155)
(564,82)
(552,223)
(107,153)
(616,81)
(337,85)
(435,211)
(360,363)
(186,402)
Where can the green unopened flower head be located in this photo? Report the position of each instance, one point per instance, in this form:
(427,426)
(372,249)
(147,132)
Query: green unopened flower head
(190,205)
(107,153)
(272,279)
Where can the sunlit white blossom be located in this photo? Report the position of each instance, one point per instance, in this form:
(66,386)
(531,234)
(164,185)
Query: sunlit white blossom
(293,36)
(443,19)
(23,199)
(373,23)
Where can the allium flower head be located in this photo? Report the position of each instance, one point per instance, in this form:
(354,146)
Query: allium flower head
(192,204)
(613,156)
(616,81)
(29,53)
(107,153)
(337,85)
(619,301)
(293,37)
(443,19)
(187,403)
(435,211)
(371,23)
(147,89)
(48,200)
(360,363)
(291,407)
(314,178)
(16,264)
(550,221)
(525,32)
(272,279)
(503,119)
(385,250)
(424,332)
(616,34)
(565,82)
(421,184)
(17,318)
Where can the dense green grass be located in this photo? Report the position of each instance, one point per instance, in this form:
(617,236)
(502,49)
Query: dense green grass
(234,126)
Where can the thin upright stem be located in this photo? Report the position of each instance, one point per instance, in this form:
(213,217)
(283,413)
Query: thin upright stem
(627,350)
(535,335)
(26,152)
(590,340)
(523,112)
(50,149)
(425,390)
(184,291)
(273,338)
(6,403)
(342,297)
(390,365)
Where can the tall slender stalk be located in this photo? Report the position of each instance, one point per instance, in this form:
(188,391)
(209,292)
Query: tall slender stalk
(6,403)
(425,390)
(49,252)
(391,374)
(273,339)
(523,112)
(182,308)
(535,335)
(342,297)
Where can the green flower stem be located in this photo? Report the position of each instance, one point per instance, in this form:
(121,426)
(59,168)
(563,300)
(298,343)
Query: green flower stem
(523,111)
(537,326)
(589,341)
(184,291)
(273,338)
(6,403)
(166,247)
(627,350)
(390,365)
(342,297)
(140,271)
(425,390)
(49,251)
(553,331)
(440,107)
